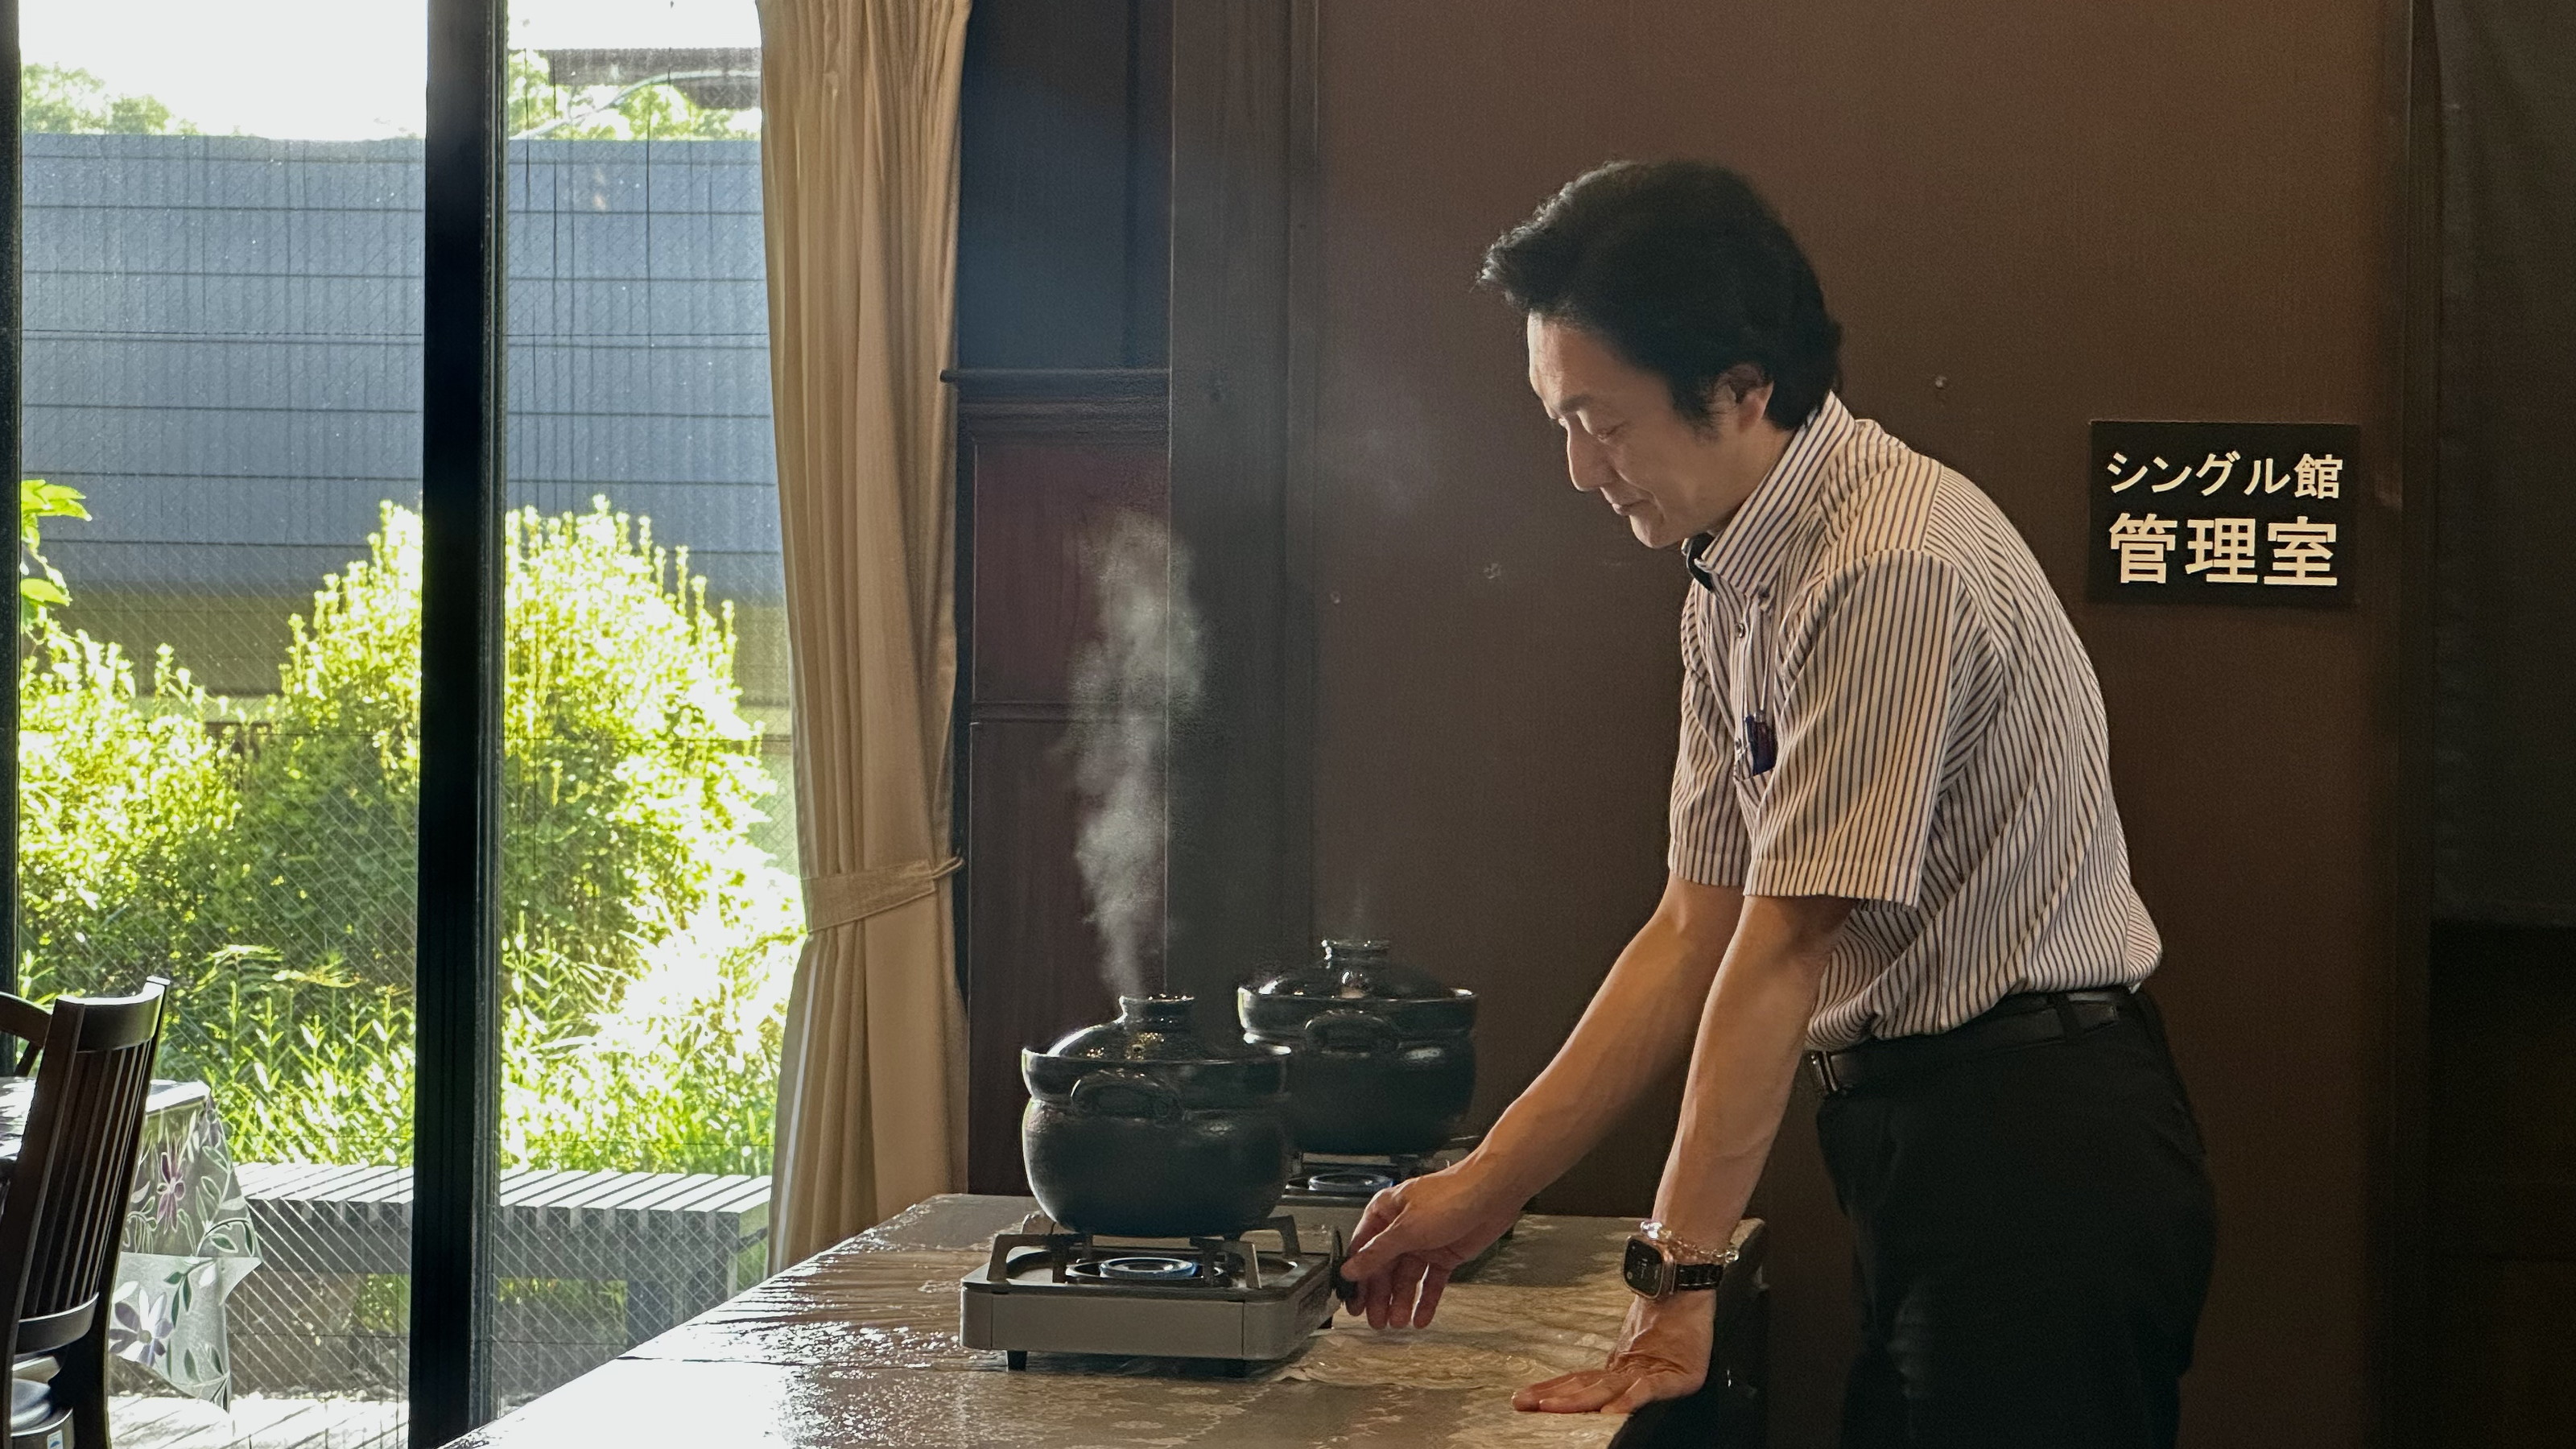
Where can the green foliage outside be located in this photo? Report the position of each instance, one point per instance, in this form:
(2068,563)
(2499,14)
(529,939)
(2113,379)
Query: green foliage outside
(537,106)
(65,99)
(39,582)
(260,854)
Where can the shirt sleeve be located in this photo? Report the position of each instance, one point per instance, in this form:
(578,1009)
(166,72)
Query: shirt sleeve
(1708,840)
(1869,684)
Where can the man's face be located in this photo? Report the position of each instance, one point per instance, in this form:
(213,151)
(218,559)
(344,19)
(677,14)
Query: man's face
(1670,478)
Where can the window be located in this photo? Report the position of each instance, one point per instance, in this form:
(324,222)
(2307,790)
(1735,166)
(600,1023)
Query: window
(219,753)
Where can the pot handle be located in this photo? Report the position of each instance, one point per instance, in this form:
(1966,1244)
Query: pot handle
(1349,1033)
(1124,1094)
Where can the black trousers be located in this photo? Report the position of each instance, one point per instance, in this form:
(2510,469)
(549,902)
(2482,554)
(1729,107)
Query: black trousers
(2034,1230)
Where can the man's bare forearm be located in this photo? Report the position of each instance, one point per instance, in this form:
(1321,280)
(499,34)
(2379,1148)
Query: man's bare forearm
(1744,1060)
(1638,1026)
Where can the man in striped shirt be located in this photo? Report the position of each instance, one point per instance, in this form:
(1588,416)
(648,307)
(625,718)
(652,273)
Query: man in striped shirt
(1894,852)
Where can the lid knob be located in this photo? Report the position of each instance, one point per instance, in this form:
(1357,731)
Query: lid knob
(1354,958)
(1157,1011)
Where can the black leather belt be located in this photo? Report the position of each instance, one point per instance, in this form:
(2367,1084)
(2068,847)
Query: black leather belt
(2025,1018)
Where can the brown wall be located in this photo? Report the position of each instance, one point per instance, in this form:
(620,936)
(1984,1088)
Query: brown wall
(2028,215)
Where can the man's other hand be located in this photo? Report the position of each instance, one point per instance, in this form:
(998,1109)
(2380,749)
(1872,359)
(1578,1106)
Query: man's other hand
(1662,1354)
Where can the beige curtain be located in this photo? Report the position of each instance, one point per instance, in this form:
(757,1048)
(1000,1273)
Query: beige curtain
(858,165)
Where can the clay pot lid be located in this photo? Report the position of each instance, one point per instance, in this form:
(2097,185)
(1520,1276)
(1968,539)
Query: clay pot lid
(1148,1029)
(1356,971)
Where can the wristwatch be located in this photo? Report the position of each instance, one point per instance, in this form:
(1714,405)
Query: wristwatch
(1660,1264)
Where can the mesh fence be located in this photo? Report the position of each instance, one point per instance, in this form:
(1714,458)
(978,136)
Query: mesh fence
(222,355)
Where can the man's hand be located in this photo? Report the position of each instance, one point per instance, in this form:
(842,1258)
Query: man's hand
(1662,1354)
(1638,1027)
(1416,1233)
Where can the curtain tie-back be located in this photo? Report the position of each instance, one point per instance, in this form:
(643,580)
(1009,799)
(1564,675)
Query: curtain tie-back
(843,900)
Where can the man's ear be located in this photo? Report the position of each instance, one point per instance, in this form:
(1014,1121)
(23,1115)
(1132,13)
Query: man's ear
(1743,387)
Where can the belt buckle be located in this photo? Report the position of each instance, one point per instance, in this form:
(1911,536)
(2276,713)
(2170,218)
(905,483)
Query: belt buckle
(1822,1064)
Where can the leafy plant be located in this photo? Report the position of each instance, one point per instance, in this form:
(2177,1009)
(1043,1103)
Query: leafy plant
(39,500)
(67,99)
(261,853)
(539,107)
(124,805)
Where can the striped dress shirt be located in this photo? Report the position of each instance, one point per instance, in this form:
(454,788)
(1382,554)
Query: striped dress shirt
(1882,699)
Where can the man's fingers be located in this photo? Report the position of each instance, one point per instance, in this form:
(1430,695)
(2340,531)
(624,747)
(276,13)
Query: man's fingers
(1583,1393)
(1434,1282)
(1527,1398)
(1368,1250)
(1648,1388)
(1621,1388)
(1378,1241)
(1406,1282)
(1382,1209)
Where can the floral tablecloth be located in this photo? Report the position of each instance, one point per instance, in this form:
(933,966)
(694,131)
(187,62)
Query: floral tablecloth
(188,1239)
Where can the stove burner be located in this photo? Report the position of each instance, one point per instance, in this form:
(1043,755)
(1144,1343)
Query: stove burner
(1345,1178)
(1153,1268)
(1351,1181)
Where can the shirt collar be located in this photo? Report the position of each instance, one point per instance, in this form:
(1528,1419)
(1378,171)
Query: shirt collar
(1746,551)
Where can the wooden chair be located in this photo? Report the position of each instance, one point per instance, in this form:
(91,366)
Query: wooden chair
(64,1211)
(28,1022)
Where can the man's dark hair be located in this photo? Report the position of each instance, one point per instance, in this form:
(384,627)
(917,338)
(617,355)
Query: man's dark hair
(1684,271)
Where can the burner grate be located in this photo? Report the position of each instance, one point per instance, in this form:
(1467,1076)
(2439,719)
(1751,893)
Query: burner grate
(1346,1177)
(1349,1181)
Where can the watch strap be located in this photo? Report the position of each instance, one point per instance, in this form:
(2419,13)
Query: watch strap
(1688,1276)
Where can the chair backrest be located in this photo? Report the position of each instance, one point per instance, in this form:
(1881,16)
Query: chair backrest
(65,1205)
(26,1021)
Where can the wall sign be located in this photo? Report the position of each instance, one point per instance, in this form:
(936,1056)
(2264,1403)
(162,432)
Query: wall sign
(2258,514)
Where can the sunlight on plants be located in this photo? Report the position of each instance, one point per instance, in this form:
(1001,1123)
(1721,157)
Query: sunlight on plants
(259,852)
(537,108)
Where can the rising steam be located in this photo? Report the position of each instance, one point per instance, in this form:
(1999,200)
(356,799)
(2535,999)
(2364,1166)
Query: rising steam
(1139,669)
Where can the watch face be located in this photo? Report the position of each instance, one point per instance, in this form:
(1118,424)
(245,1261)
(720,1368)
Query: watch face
(1644,1268)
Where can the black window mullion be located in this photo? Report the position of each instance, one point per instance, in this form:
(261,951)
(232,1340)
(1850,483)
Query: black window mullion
(459,935)
(12,460)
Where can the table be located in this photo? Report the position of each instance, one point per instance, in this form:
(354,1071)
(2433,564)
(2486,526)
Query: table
(188,1238)
(858,1346)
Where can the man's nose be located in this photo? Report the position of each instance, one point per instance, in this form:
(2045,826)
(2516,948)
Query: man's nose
(1583,462)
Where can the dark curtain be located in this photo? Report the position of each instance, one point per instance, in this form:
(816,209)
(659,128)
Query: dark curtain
(2505,744)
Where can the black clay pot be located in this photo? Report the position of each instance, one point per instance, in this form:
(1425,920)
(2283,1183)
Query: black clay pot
(1383,1056)
(1142,1128)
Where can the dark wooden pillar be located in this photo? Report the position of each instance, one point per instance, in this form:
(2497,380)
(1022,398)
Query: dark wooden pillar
(1241,802)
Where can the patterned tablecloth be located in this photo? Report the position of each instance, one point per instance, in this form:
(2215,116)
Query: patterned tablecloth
(188,1238)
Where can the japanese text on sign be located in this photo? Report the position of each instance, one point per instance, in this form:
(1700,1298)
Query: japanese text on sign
(2220,513)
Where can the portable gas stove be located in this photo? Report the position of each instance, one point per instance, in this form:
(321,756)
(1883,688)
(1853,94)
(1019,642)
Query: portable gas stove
(1224,1298)
(1349,1180)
